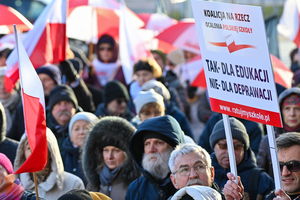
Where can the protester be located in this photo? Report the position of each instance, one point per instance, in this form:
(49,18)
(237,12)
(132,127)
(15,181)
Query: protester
(197,192)
(107,162)
(83,195)
(10,187)
(105,66)
(53,181)
(150,147)
(62,106)
(289,103)
(171,108)
(143,71)
(295,59)
(257,183)
(254,130)
(72,146)
(288,146)
(160,57)
(148,104)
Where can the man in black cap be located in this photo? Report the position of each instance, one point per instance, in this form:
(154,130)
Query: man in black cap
(257,183)
(62,106)
(151,146)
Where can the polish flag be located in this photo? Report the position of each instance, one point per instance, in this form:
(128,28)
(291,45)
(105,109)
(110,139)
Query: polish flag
(289,24)
(45,43)
(109,4)
(132,43)
(34,112)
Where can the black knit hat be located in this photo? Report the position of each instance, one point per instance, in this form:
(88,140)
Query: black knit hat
(106,39)
(52,71)
(238,131)
(76,194)
(142,65)
(115,90)
(62,93)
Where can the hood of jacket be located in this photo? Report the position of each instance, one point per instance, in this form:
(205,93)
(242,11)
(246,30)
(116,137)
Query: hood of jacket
(165,126)
(288,92)
(56,175)
(2,123)
(109,131)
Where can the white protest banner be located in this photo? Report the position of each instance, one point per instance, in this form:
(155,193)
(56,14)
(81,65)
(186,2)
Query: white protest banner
(236,61)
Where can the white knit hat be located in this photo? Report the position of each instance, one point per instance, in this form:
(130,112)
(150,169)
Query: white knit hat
(145,97)
(158,87)
(86,116)
(198,192)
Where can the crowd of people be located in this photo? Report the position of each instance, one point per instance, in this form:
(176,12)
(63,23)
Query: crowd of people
(108,139)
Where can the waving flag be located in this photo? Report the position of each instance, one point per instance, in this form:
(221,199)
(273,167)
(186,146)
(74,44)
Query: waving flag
(34,113)
(289,24)
(45,43)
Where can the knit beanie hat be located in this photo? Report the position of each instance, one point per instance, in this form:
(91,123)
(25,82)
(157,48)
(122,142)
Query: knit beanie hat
(145,97)
(157,87)
(115,90)
(62,93)
(197,192)
(238,131)
(52,71)
(86,116)
(106,39)
(76,194)
(5,162)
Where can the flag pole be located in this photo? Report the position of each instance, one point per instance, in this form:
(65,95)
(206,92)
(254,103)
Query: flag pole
(35,179)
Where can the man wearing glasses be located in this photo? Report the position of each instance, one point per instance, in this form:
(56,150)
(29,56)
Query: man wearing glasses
(288,145)
(257,183)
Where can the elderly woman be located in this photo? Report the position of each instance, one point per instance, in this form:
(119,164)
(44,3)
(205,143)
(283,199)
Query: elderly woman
(107,163)
(79,127)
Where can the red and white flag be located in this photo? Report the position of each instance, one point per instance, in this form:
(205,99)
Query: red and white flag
(45,43)
(289,24)
(34,113)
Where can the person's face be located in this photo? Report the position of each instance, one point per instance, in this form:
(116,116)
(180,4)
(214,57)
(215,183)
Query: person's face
(27,150)
(221,152)
(63,111)
(158,59)
(142,76)
(291,115)
(105,52)
(150,112)
(3,93)
(113,157)
(117,106)
(154,145)
(192,169)
(79,132)
(290,180)
(48,83)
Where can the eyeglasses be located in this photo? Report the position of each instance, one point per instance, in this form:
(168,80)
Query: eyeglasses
(120,101)
(185,171)
(237,147)
(105,48)
(292,166)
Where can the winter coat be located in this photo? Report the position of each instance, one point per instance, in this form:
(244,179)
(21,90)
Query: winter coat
(72,159)
(146,186)
(256,181)
(112,131)
(58,181)
(101,111)
(254,130)
(7,146)
(272,195)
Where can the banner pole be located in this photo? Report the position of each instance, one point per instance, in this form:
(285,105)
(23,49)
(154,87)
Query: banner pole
(230,148)
(36,185)
(274,157)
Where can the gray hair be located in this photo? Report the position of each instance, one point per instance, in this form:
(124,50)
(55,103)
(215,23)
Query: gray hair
(184,149)
(287,140)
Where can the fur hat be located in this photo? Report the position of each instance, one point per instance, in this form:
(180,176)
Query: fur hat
(238,131)
(5,162)
(52,71)
(157,87)
(86,116)
(115,90)
(62,93)
(145,97)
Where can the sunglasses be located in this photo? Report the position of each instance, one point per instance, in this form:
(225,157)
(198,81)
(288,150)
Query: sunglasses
(105,48)
(292,166)
(223,146)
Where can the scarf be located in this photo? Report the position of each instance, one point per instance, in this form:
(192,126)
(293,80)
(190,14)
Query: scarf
(107,176)
(105,72)
(10,189)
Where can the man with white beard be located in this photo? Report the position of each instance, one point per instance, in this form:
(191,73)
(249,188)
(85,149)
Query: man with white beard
(151,146)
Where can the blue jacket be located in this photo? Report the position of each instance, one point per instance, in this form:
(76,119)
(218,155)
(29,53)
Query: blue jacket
(247,170)
(147,187)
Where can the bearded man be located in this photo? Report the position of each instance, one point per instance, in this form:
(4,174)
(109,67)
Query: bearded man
(151,146)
